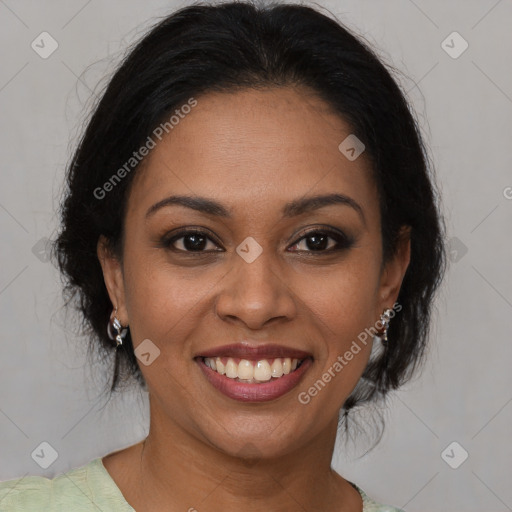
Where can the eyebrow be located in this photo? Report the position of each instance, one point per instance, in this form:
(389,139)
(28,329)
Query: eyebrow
(290,209)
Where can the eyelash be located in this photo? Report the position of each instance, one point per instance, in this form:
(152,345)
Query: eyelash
(342,240)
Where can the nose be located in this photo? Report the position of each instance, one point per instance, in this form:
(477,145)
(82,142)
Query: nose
(255,293)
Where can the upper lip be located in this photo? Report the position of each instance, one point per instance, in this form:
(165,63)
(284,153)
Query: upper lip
(248,350)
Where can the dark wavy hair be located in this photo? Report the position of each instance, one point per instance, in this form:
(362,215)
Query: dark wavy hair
(229,47)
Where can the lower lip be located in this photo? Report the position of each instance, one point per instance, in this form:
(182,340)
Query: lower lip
(258,392)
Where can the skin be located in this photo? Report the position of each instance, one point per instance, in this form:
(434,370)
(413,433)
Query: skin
(252,151)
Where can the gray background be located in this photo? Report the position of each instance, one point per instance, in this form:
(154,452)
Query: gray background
(47,392)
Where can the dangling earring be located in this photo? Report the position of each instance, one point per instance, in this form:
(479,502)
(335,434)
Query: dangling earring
(112,324)
(384,320)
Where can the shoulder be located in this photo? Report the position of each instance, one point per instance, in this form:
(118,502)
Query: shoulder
(85,488)
(369,505)
(26,493)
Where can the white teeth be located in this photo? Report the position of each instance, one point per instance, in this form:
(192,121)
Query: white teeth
(251,371)
(245,370)
(262,371)
(231,369)
(277,368)
(219,364)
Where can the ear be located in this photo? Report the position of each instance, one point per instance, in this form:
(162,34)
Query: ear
(394,271)
(113,276)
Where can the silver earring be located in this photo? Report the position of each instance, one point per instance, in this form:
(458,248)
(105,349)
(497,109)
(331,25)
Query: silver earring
(115,330)
(384,320)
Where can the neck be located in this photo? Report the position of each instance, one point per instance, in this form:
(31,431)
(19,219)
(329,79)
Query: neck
(178,468)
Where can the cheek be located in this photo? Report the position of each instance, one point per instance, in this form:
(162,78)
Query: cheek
(344,308)
(344,304)
(165,304)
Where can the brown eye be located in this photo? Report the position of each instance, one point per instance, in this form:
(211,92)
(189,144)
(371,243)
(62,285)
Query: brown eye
(190,241)
(321,241)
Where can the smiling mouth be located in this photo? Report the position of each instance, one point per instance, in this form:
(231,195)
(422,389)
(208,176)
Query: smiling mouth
(254,380)
(253,371)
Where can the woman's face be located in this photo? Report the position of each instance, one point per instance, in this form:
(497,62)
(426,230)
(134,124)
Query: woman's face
(269,266)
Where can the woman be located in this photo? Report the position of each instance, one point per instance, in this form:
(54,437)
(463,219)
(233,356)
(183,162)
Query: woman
(250,225)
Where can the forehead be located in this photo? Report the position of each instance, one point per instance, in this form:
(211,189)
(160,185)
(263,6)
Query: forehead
(257,146)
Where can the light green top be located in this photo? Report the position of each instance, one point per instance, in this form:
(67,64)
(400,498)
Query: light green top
(89,488)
